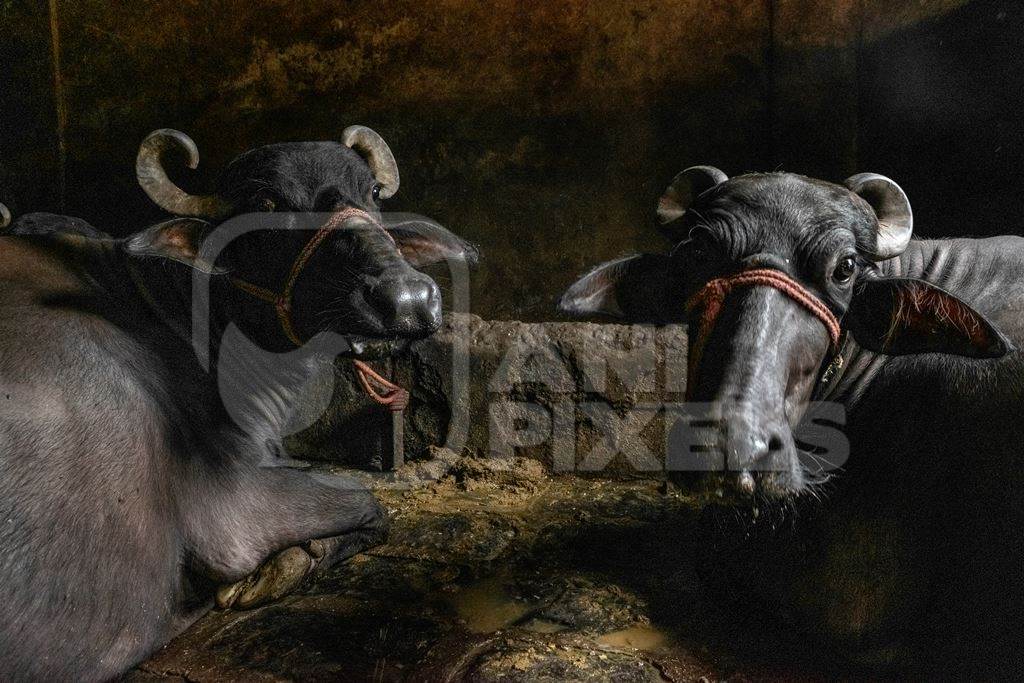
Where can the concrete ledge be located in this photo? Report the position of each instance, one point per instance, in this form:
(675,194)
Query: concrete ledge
(579,397)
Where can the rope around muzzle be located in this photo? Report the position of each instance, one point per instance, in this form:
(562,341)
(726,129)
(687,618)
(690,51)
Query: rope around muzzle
(395,398)
(711,298)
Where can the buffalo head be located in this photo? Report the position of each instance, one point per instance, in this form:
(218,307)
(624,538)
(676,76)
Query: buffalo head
(319,251)
(770,272)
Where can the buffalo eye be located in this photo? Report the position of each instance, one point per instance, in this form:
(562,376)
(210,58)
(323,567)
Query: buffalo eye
(375,192)
(844,270)
(267,204)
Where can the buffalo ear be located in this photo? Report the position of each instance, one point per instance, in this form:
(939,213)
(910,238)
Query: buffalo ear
(899,316)
(178,239)
(636,288)
(423,243)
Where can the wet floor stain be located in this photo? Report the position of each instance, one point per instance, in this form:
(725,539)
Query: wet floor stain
(487,606)
(637,638)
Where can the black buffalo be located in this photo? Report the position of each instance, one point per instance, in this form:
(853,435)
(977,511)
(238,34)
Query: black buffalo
(129,491)
(912,551)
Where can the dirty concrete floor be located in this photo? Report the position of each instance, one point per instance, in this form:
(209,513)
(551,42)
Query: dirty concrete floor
(500,573)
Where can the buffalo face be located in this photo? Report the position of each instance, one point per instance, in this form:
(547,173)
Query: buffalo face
(309,226)
(769,271)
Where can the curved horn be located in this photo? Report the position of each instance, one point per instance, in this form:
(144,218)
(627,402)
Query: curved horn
(685,188)
(377,154)
(892,209)
(151,175)
(5,217)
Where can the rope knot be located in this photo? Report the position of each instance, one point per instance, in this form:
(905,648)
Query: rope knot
(395,397)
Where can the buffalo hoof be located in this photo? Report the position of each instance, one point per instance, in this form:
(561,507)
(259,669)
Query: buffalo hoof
(285,571)
(274,579)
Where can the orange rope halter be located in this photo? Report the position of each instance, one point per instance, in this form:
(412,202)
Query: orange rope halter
(396,398)
(711,298)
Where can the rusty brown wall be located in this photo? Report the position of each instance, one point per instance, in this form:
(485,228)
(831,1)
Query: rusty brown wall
(544,131)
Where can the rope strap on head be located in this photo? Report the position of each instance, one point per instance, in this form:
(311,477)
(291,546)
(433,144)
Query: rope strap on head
(711,298)
(282,301)
(395,397)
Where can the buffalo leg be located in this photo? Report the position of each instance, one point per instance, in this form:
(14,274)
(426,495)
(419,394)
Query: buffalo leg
(284,524)
(286,570)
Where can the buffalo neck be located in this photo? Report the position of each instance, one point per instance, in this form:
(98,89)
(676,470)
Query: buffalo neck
(164,289)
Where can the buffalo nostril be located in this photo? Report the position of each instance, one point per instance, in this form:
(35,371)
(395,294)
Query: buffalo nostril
(775,443)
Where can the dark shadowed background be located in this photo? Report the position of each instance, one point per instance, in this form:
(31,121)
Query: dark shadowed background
(542,131)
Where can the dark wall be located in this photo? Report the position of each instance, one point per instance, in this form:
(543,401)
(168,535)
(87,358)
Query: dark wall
(542,131)
(941,111)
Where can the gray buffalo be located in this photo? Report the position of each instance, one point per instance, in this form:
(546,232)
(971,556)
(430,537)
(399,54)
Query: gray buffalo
(130,496)
(797,290)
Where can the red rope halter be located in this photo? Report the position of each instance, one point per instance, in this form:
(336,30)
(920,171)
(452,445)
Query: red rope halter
(711,298)
(395,397)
